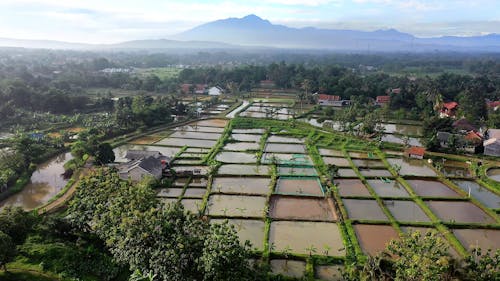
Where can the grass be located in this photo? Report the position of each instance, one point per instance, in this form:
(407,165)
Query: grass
(163,73)
(15,274)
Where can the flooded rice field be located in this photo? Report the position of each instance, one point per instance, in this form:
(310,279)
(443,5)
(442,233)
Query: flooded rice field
(241,146)
(169,192)
(294,208)
(288,268)
(285,148)
(283,158)
(243,170)
(482,238)
(299,186)
(432,188)
(193,192)
(192,205)
(494,174)
(412,167)
(241,185)
(211,123)
(246,137)
(195,135)
(482,194)
(251,230)
(368,163)
(189,128)
(328,272)
(461,212)
(347,173)
(351,187)
(248,131)
(330,152)
(358,209)
(375,172)
(296,171)
(236,157)
(406,211)
(370,243)
(337,161)
(189,142)
(304,237)
(275,138)
(389,188)
(236,206)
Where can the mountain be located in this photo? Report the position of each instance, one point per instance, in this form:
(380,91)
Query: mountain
(252,30)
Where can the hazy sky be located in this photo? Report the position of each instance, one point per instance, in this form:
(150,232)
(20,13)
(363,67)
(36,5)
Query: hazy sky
(107,21)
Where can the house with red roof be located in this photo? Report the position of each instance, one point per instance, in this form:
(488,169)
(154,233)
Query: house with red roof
(381,100)
(415,152)
(449,109)
(493,105)
(199,89)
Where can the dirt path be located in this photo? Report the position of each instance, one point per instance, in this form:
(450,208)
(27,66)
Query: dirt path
(59,202)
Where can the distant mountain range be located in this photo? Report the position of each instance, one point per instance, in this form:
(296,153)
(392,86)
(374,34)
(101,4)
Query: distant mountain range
(253,32)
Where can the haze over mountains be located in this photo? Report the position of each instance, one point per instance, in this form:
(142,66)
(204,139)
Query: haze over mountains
(253,32)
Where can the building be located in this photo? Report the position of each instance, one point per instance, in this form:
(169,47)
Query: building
(136,170)
(493,105)
(463,125)
(330,100)
(215,91)
(449,109)
(415,152)
(460,142)
(199,89)
(492,144)
(381,100)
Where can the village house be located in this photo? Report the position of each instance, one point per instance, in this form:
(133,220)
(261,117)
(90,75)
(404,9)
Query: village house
(199,89)
(492,143)
(415,152)
(468,143)
(143,163)
(449,109)
(215,91)
(382,100)
(464,126)
(331,100)
(493,105)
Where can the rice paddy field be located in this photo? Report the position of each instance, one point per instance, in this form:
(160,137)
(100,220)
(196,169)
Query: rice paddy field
(270,180)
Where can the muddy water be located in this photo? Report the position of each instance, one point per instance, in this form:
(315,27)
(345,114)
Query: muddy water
(406,211)
(389,189)
(236,206)
(296,171)
(181,182)
(198,182)
(283,158)
(368,163)
(456,172)
(243,170)
(189,128)
(337,161)
(242,146)
(236,157)
(330,152)
(285,148)
(246,137)
(494,174)
(289,268)
(121,151)
(483,238)
(44,184)
(412,167)
(483,195)
(251,230)
(211,123)
(430,188)
(194,192)
(281,139)
(298,236)
(459,212)
(169,192)
(353,154)
(189,142)
(354,187)
(299,187)
(241,185)
(192,205)
(375,172)
(374,238)
(412,130)
(364,209)
(347,173)
(195,135)
(292,208)
(328,272)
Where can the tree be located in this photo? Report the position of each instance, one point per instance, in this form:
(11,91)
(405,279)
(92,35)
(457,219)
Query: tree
(7,250)
(104,154)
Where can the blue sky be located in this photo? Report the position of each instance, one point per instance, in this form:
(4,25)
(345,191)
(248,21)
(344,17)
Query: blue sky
(109,21)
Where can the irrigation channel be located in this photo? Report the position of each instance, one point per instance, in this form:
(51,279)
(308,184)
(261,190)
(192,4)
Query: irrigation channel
(271,185)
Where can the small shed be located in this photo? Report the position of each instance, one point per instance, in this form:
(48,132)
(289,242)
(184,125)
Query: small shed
(416,152)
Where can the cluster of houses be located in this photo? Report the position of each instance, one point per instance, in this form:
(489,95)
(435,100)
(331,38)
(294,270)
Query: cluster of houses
(201,89)
(142,164)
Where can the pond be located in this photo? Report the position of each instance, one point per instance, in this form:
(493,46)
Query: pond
(431,188)
(121,151)
(406,211)
(494,174)
(461,212)
(251,230)
(364,210)
(45,183)
(351,187)
(241,185)
(236,157)
(300,237)
(372,244)
(482,194)
(299,208)
(236,206)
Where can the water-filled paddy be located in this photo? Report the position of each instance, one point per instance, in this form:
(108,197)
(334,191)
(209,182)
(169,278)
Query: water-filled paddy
(328,272)
(211,123)
(412,167)
(375,172)
(187,162)
(203,170)
(337,161)
(370,163)
(275,138)
(241,146)
(198,182)
(494,174)
(461,212)
(351,187)
(482,194)
(188,142)
(364,209)
(241,185)
(432,188)
(296,171)
(236,157)
(299,186)
(407,211)
(283,158)
(246,137)
(194,192)
(169,192)
(195,135)
(294,208)
(190,128)
(248,131)
(243,170)
(391,188)
(402,129)
(374,238)
(251,230)
(347,173)
(482,238)
(285,148)
(330,152)
(289,268)
(299,237)
(192,205)
(236,206)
